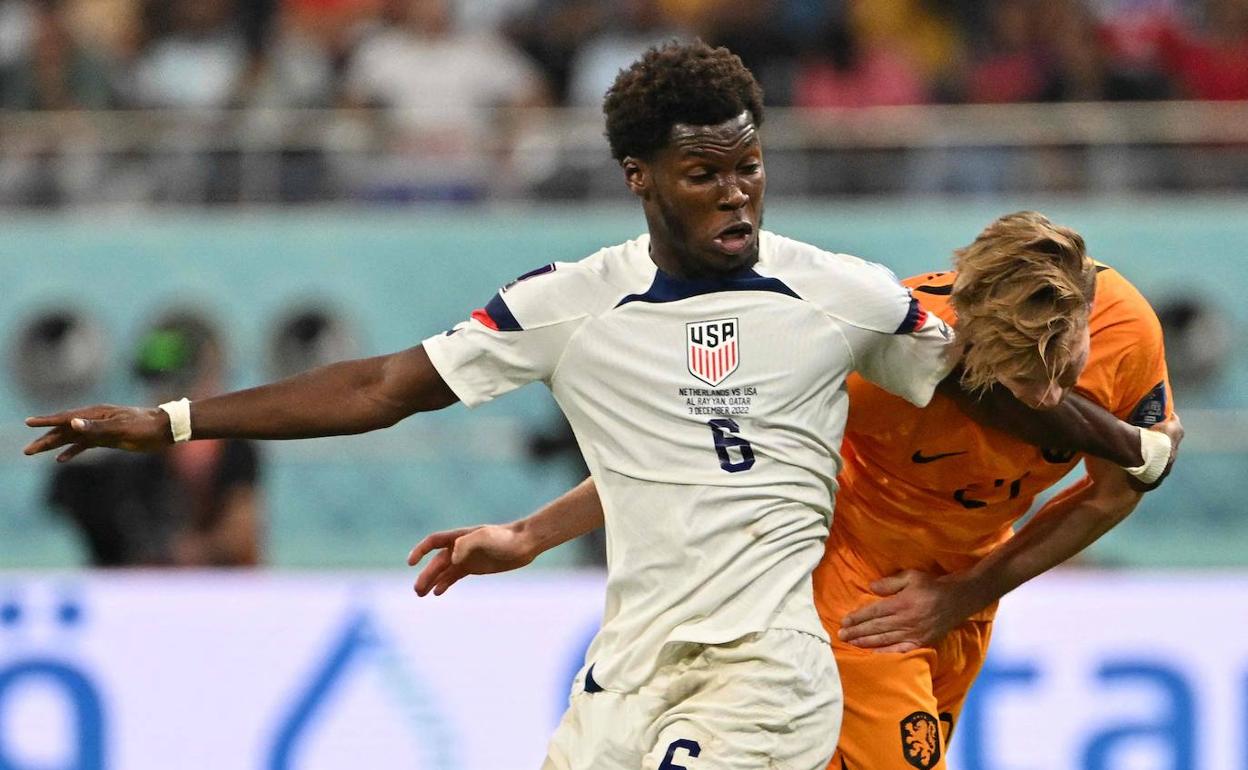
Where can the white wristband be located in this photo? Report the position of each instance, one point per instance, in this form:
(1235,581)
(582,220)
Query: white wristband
(1155,447)
(179,419)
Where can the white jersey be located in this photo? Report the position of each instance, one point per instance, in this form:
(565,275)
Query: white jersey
(710,413)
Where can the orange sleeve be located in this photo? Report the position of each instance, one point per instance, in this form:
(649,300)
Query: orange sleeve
(1126,371)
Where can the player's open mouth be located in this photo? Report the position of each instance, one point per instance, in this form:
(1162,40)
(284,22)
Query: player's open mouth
(734,239)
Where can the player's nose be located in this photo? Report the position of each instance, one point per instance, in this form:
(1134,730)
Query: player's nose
(733,197)
(1048,396)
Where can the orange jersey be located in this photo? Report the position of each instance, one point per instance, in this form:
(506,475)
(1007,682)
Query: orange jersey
(930,489)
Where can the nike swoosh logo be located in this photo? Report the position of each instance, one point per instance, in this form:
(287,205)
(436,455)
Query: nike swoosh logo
(919,457)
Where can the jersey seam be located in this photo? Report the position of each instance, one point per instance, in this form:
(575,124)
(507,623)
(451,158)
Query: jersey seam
(836,325)
(563,351)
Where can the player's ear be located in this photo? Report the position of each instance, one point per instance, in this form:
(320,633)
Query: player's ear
(636,176)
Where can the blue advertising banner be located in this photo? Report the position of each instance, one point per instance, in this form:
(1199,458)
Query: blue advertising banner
(197,671)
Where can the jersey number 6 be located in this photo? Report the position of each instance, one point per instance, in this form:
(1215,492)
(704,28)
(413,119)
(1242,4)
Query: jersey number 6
(724,431)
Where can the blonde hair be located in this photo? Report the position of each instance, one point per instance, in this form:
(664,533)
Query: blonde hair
(1022,295)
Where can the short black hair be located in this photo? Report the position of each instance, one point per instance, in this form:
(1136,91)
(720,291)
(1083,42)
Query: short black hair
(676,83)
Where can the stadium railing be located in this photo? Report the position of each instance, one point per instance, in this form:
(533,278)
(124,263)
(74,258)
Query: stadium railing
(298,156)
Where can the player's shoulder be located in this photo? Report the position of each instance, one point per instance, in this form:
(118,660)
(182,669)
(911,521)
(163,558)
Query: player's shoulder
(937,284)
(1113,286)
(562,291)
(934,292)
(849,288)
(1117,302)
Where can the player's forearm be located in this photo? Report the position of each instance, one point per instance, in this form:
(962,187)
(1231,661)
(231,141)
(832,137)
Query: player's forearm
(575,513)
(339,399)
(1075,424)
(1061,529)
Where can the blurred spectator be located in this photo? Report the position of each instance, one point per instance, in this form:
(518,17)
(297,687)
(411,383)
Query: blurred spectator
(689,14)
(1076,61)
(753,30)
(294,68)
(335,27)
(420,62)
(1212,63)
(111,28)
(843,72)
(53,73)
(490,15)
(16,22)
(551,32)
(631,27)
(221,73)
(921,30)
(196,55)
(1010,68)
(56,73)
(1135,40)
(193,505)
(439,85)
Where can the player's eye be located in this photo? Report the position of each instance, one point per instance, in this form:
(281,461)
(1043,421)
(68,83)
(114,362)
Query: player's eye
(752,168)
(700,175)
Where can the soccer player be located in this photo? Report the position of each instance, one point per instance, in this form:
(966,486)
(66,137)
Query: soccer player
(702,368)
(927,497)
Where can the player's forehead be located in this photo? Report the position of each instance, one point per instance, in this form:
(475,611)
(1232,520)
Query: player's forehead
(737,134)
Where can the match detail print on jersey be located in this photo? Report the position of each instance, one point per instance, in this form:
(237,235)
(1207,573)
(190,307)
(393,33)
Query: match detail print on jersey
(713,352)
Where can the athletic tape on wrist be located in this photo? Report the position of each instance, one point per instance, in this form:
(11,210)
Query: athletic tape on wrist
(179,419)
(1155,447)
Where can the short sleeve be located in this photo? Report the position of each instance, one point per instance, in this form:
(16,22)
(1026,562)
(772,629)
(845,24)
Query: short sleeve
(517,338)
(910,361)
(1126,370)
(896,343)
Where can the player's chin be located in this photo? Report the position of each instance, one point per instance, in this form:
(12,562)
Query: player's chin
(721,260)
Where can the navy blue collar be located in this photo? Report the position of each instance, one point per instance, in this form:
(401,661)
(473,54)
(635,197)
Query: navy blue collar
(669,288)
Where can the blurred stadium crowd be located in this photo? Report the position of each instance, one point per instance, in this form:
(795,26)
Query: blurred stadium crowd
(437,54)
(438,70)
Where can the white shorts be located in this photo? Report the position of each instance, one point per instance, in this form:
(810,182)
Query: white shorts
(768,701)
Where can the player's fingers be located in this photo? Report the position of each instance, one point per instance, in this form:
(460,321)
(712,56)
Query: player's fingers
(72,452)
(886,624)
(449,579)
(879,641)
(47,420)
(902,647)
(422,549)
(890,585)
(54,438)
(429,576)
(443,539)
(870,612)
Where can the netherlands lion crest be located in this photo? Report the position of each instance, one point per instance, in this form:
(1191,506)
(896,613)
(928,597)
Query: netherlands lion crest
(920,740)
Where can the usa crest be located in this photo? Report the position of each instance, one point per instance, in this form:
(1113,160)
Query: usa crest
(920,740)
(712,349)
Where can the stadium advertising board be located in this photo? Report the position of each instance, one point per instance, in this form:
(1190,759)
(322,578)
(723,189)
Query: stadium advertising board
(146,671)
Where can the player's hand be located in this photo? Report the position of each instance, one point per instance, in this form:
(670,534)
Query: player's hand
(1174,429)
(120,427)
(479,550)
(918,609)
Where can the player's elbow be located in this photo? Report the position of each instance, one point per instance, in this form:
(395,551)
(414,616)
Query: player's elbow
(376,408)
(1118,505)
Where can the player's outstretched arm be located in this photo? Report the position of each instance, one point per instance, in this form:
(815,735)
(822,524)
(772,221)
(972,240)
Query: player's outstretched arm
(343,398)
(1075,424)
(919,609)
(486,549)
